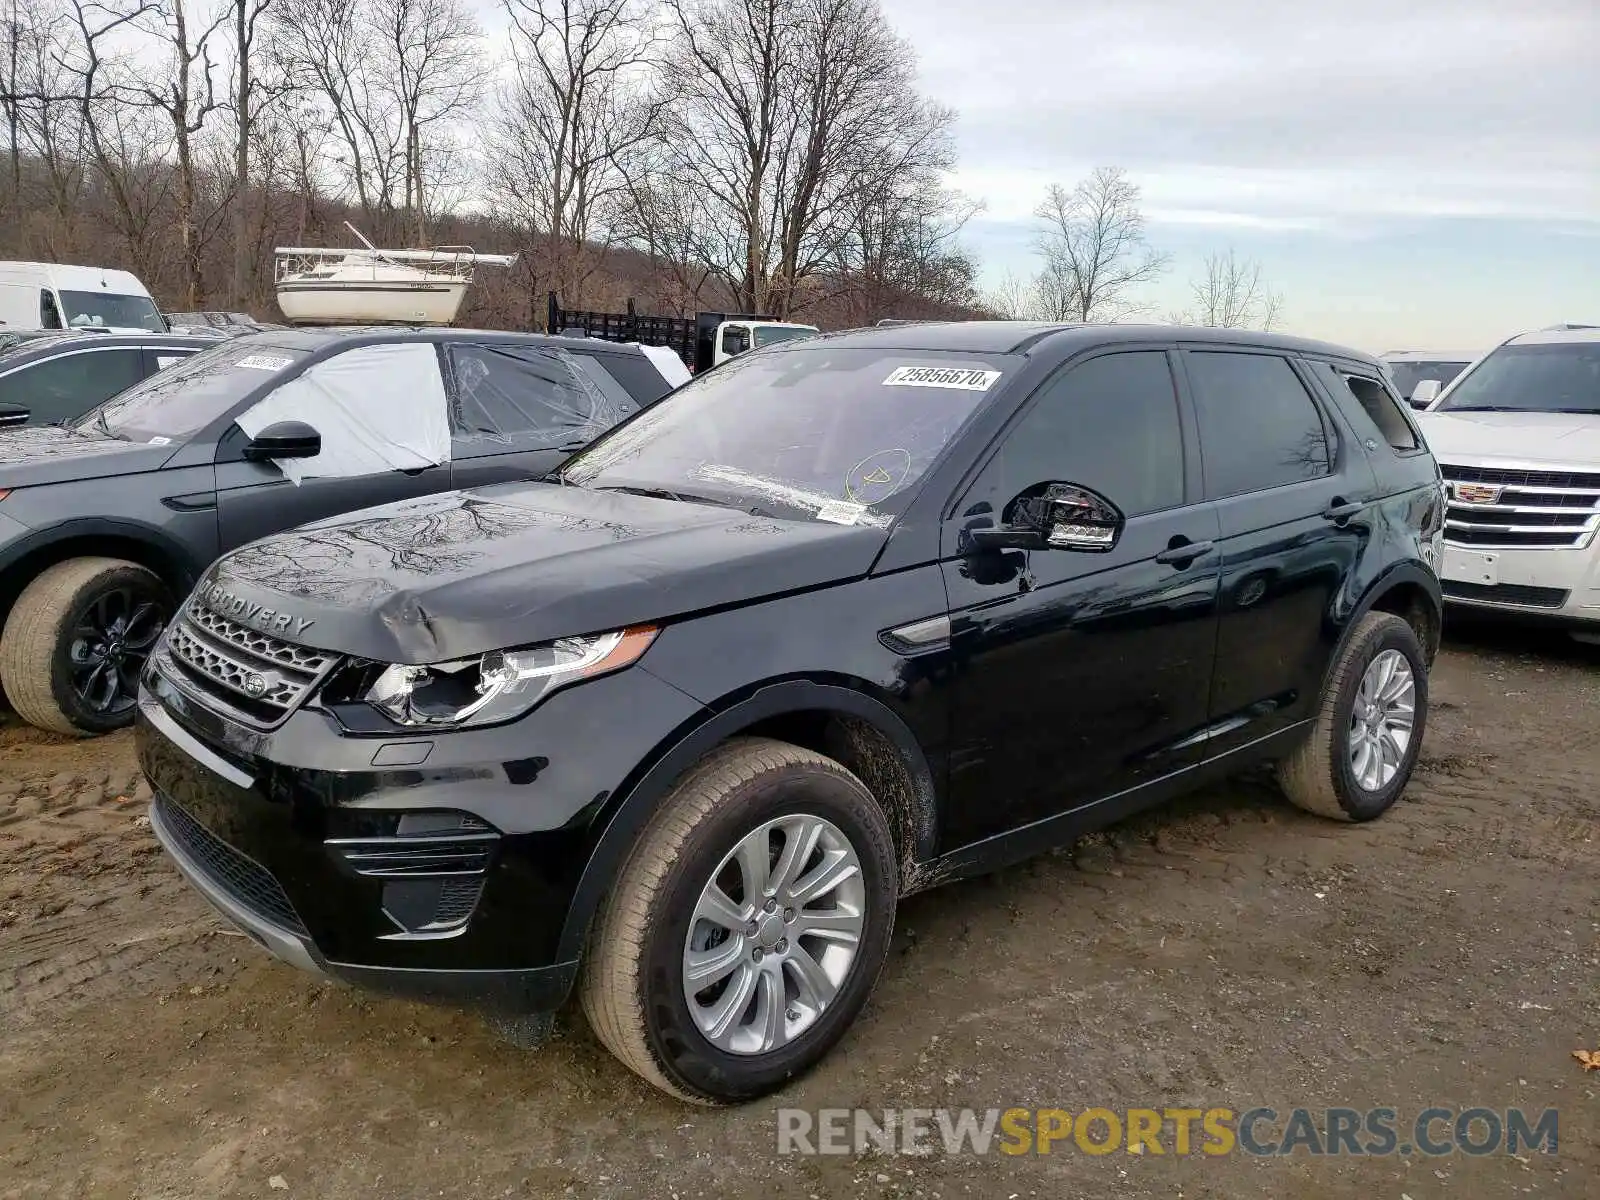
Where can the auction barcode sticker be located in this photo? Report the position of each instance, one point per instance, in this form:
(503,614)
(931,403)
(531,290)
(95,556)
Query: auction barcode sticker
(264,362)
(942,377)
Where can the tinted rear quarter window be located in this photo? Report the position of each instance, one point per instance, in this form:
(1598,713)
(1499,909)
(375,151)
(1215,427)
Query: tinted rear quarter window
(1377,412)
(634,372)
(1259,427)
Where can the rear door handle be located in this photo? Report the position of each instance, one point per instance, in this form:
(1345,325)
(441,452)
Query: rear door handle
(1340,510)
(1182,553)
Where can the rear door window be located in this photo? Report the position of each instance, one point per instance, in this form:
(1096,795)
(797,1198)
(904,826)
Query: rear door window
(60,389)
(1259,427)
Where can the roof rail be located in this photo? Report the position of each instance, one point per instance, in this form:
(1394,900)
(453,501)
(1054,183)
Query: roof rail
(1564,326)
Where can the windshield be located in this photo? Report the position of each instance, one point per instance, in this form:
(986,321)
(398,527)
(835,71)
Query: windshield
(1556,377)
(179,401)
(771,335)
(1407,375)
(836,434)
(83,310)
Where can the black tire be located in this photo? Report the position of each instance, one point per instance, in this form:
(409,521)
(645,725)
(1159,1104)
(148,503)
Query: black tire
(1319,776)
(632,989)
(46,658)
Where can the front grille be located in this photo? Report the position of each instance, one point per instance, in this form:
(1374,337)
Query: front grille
(1524,508)
(261,645)
(254,675)
(246,881)
(457,900)
(1507,593)
(1589,480)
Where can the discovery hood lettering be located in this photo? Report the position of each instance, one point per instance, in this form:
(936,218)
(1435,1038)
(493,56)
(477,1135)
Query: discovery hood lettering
(454,575)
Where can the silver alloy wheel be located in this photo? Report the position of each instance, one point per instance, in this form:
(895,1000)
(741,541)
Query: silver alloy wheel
(1382,720)
(759,969)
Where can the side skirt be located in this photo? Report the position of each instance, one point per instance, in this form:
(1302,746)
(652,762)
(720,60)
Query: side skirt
(1015,845)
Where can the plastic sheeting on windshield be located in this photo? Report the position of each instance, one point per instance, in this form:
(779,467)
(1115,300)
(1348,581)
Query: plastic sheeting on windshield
(506,391)
(378,408)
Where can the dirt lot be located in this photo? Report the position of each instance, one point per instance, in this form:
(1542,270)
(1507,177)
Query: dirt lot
(1225,952)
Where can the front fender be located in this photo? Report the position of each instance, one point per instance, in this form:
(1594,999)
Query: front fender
(632,811)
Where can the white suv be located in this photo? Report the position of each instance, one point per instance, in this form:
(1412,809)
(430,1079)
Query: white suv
(1518,439)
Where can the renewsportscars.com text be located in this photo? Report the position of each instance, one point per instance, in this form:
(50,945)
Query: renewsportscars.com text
(1179,1132)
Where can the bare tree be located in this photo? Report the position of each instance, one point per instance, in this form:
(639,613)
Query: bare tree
(387,72)
(438,72)
(40,102)
(247,98)
(568,126)
(1094,250)
(788,118)
(186,97)
(1232,295)
(903,258)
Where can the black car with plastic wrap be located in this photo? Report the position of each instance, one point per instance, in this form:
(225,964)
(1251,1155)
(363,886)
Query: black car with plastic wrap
(677,727)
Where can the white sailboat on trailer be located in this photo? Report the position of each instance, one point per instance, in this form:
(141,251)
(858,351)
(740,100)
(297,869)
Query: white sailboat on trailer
(376,287)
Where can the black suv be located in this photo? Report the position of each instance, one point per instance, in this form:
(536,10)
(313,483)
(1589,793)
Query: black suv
(106,520)
(836,622)
(51,377)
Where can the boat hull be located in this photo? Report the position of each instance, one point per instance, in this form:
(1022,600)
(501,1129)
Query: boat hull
(371,302)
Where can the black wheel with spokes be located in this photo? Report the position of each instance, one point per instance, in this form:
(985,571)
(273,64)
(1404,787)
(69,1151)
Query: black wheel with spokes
(76,641)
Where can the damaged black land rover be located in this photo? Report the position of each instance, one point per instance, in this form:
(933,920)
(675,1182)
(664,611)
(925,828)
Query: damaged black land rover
(841,620)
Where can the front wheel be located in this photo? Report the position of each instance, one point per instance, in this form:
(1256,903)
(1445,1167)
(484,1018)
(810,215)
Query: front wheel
(1368,730)
(748,926)
(76,640)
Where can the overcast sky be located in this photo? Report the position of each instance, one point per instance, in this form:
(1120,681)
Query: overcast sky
(1418,173)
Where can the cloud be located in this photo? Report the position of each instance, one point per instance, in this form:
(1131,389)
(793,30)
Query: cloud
(1274,115)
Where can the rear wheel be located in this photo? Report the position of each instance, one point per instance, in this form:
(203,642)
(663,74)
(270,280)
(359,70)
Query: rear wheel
(76,640)
(1368,731)
(748,926)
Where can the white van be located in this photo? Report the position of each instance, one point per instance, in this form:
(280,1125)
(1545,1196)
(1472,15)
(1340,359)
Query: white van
(36,295)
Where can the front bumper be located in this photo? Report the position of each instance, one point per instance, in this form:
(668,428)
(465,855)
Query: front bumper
(1561,586)
(299,840)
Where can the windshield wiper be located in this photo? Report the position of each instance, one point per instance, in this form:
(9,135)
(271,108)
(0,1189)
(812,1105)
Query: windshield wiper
(661,493)
(1585,411)
(1489,408)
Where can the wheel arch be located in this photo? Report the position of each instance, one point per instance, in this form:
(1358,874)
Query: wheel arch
(856,729)
(1411,592)
(96,537)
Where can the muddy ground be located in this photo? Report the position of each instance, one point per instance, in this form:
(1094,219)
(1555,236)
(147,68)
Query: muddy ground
(1226,952)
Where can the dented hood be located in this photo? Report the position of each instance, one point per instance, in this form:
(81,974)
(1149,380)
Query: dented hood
(453,575)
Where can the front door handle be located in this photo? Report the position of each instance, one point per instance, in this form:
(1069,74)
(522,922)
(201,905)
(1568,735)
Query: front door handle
(1180,552)
(1341,510)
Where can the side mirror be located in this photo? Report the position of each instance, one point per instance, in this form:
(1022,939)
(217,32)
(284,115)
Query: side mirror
(1061,516)
(13,414)
(283,439)
(1425,393)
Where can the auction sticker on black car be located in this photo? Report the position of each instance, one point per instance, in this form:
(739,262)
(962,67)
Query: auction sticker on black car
(942,377)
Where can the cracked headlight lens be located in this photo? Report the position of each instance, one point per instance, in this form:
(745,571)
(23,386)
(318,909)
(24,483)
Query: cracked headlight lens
(501,684)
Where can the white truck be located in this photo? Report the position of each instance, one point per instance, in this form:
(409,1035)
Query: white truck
(1517,436)
(39,295)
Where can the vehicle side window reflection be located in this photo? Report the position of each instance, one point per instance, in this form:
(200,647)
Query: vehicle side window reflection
(1110,424)
(1259,427)
(60,389)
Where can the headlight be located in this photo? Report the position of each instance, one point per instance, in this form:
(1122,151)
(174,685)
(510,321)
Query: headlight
(501,684)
